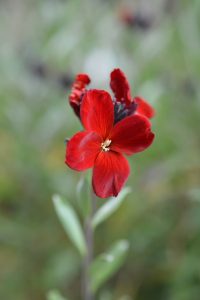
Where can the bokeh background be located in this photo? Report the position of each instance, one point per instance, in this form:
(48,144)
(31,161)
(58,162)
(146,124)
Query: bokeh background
(44,43)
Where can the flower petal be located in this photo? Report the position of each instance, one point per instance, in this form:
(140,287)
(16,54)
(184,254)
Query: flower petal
(97,112)
(110,173)
(83,78)
(144,108)
(120,86)
(78,89)
(131,135)
(82,150)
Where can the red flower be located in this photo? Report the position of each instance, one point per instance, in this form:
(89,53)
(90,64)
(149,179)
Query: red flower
(102,144)
(120,86)
(78,90)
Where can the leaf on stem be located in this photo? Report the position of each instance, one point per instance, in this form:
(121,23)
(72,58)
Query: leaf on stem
(54,295)
(109,207)
(70,222)
(107,264)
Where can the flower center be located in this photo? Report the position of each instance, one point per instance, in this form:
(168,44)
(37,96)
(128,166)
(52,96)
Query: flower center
(105,145)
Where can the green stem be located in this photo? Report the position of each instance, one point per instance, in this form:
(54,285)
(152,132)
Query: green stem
(89,237)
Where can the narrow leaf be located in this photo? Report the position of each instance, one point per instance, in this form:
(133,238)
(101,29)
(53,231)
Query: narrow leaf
(70,222)
(109,207)
(107,264)
(54,295)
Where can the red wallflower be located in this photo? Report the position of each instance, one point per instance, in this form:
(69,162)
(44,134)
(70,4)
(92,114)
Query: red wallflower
(78,90)
(102,144)
(120,86)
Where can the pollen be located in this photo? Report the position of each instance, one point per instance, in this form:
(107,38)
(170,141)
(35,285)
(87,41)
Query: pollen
(105,145)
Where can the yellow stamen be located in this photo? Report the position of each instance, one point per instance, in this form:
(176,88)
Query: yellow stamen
(105,145)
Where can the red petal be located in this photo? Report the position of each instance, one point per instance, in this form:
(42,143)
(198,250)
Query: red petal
(97,112)
(78,89)
(120,86)
(82,150)
(110,173)
(131,135)
(84,78)
(144,108)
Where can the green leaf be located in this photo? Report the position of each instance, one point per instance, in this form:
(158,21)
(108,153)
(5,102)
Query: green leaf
(70,222)
(84,197)
(109,208)
(54,295)
(107,264)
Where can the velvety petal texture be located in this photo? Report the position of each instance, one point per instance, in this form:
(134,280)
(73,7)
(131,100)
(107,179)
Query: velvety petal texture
(97,112)
(82,79)
(82,150)
(78,89)
(120,86)
(131,135)
(144,108)
(110,173)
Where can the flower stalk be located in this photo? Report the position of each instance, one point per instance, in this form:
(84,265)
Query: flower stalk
(89,237)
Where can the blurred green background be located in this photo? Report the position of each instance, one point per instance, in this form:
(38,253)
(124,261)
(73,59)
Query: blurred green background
(44,43)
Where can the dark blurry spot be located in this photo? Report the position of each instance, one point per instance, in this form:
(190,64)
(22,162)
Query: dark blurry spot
(42,71)
(39,70)
(65,80)
(135,20)
(142,22)
(188,87)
